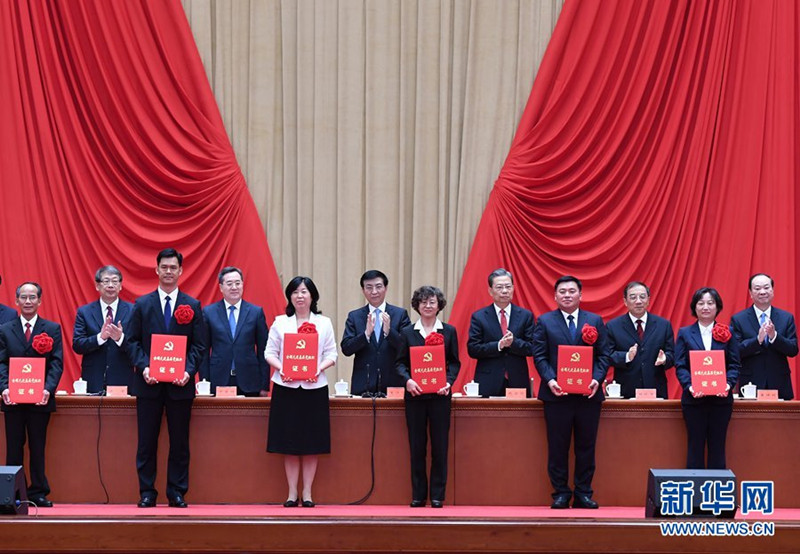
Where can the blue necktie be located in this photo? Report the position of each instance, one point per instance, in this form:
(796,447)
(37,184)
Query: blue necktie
(763,321)
(573,330)
(378,324)
(232,321)
(167,313)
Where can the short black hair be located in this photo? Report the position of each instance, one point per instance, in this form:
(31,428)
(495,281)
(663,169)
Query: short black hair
(169,253)
(750,282)
(632,284)
(229,269)
(35,284)
(98,275)
(568,279)
(371,274)
(293,285)
(423,293)
(698,294)
(500,272)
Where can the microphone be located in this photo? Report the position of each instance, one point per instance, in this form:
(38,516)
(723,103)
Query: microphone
(366,393)
(378,392)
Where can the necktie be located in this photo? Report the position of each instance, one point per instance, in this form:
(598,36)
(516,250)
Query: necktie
(109,313)
(378,325)
(573,330)
(167,313)
(639,329)
(232,321)
(503,322)
(763,321)
(27,332)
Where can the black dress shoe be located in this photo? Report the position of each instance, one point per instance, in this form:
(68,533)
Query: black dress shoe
(178,502)
(417,504)
(560,503)
(42,502)
(308,504)
(437,503)
(290,504)
(147,501)
(584,501)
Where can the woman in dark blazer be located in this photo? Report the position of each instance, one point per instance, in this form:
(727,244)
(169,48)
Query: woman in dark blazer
(425,411)
(706,417)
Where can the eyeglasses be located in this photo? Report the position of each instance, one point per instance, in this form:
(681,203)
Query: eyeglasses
(501,288)
(26,298)
(110,281)
(430,302)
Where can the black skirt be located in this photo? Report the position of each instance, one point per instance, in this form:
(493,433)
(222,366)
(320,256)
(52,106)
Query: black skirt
(299,421)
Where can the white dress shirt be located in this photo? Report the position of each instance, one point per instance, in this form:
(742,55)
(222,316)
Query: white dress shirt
(326,348)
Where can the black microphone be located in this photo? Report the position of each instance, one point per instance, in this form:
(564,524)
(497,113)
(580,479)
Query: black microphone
(366,393)
(378,392)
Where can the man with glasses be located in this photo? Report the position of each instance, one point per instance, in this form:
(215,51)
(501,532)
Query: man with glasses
(99,334)
(642,344)
(372,333)
(500,338)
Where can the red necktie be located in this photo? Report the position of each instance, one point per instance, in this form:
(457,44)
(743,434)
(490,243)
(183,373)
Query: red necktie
(109,313)
(27,332)
(639,329)
(503,322)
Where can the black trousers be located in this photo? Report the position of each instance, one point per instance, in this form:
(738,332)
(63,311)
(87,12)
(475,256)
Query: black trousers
(706,424)
(149,412)
(20,423)
(579,416)
(424,412)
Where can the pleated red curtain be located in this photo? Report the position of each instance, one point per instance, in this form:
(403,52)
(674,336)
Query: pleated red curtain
(112,148)
(659,143)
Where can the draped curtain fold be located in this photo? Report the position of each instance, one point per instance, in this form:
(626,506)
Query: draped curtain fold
(112,148)
(659,143)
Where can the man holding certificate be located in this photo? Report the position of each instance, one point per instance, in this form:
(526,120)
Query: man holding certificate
(30,369)
(427,362)
(166,348)
(571,354)
(707,367)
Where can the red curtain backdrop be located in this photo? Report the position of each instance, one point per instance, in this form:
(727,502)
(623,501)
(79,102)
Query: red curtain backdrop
(659,143)
(112,148)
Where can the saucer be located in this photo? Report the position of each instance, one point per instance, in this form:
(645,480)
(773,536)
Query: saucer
(203,395)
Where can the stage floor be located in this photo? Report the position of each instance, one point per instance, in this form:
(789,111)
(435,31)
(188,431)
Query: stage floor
(331,528)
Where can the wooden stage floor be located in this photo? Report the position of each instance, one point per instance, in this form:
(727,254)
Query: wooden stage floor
(264,528)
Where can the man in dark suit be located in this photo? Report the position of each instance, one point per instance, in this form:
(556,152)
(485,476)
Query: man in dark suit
(26,337)
(768,338)
(172,312)
(564,413)
(236,334)
(372,333)
(6,314)
(99,334)
(500,338)
(642,344)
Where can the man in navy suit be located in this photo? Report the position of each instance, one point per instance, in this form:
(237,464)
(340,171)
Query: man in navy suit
(372,333)
(6,314)
(165,311)
(236,335)
(564,413)
(24,337)
(99,334)
(642,344)
(500,338)
(768,338)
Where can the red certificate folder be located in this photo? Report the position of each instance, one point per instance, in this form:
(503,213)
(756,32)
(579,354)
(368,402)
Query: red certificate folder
(428,367)
(574,368)
(26,380)
(300,356)
(167,357)
(708,371)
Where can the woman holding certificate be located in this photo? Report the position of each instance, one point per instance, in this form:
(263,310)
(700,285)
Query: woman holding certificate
(707,367)
(301,346)
(427,362)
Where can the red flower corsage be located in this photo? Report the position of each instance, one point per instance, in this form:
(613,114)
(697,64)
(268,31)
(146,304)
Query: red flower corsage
(184,314)
(307,328)
(721,332)
(589,334)
(43,343)
(434,339)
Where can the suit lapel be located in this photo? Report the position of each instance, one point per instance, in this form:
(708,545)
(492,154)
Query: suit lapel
(17,328)
(244,312)
(122,312)
(494,322)
(97,313)
(629,328)
(755,325)
(694,333)
(562,324)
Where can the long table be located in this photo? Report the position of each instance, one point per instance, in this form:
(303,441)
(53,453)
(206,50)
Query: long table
(498,451)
